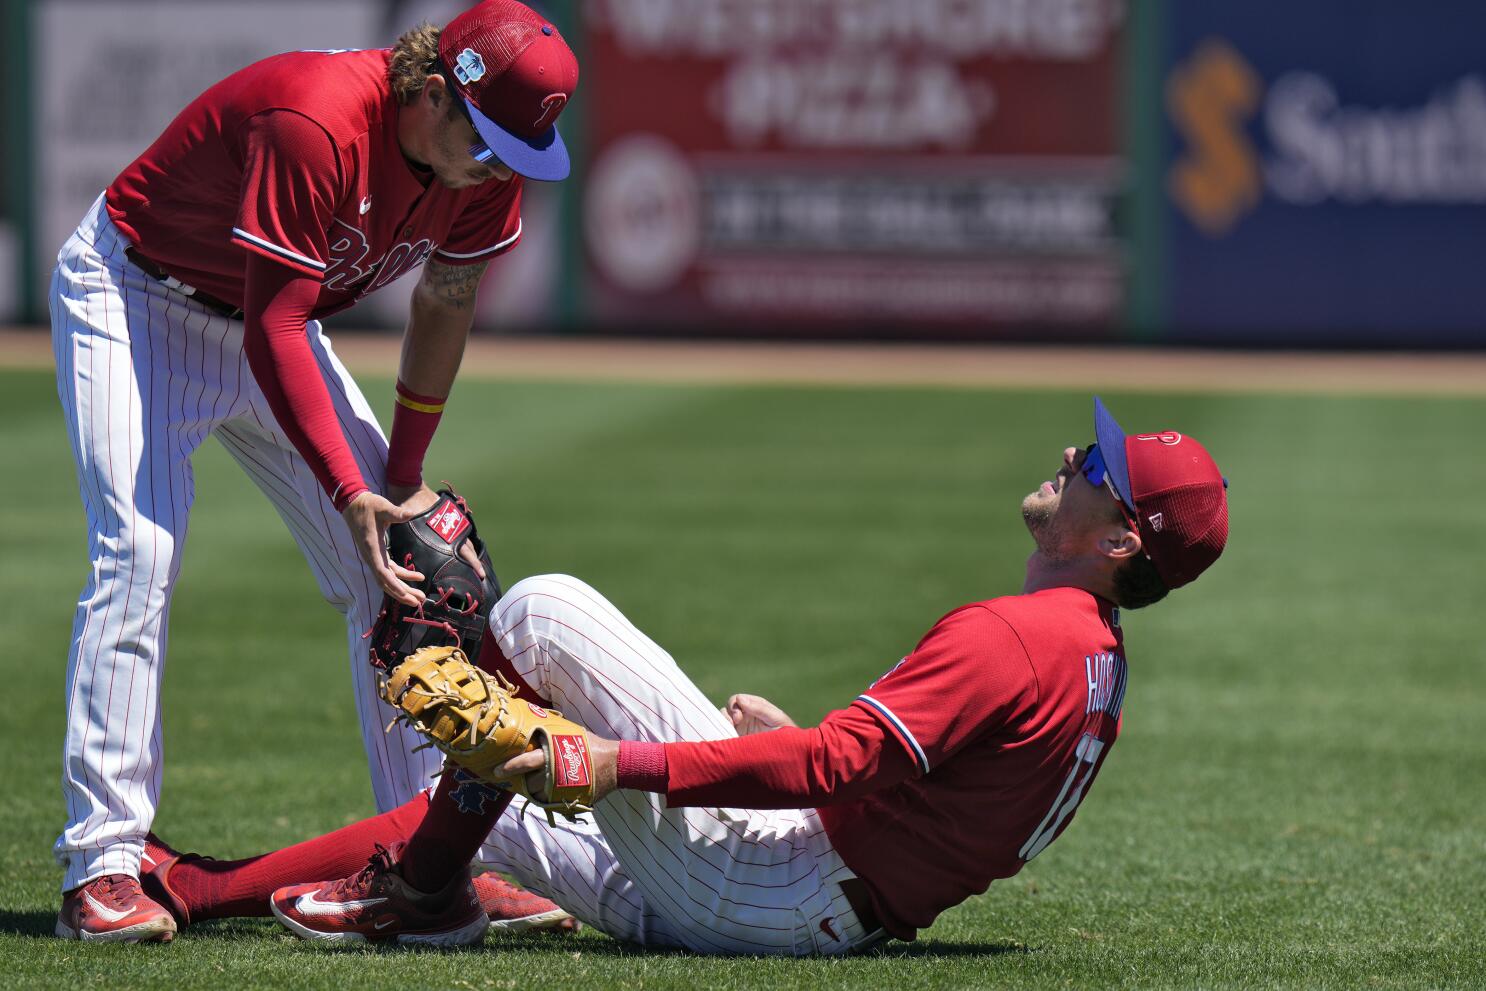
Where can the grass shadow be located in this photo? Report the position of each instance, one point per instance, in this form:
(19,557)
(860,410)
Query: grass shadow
(932,948)
(41,923)
(38,922)
(945,948)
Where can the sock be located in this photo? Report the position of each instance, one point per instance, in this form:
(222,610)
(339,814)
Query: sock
(460,816)
(462,811)
(223,889)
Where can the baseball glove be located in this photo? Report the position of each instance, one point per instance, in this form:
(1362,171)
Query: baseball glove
(475,718)
(458,600)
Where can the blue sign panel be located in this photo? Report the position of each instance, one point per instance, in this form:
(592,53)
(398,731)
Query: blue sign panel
(1325,171)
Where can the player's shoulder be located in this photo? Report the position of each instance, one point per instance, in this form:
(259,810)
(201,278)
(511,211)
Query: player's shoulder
(315,70)
(342,91)
(1062,601)
(1031,612)
(971,623)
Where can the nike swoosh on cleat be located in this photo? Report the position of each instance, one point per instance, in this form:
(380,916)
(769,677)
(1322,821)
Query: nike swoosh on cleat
(103,911)
(312,906)
(383,924)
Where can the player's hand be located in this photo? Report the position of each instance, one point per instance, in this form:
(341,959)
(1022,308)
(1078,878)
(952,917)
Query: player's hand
(368,516)
(416,499)
(603,753)
(755,714)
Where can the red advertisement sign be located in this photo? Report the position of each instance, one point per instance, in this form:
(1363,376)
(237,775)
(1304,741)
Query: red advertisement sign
(759,164)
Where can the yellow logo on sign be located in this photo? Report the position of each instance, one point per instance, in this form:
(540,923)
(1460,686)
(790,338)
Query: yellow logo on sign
(1210,97)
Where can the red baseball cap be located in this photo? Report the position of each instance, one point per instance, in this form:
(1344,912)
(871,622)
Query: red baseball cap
(1171,486)
(514,74)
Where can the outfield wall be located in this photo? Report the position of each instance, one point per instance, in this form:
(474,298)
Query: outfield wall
(1194,172)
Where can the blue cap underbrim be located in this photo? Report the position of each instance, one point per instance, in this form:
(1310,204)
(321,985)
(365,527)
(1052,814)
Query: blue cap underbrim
(1112,445)
(544,158)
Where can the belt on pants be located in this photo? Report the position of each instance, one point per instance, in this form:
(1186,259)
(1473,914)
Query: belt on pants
(155,272)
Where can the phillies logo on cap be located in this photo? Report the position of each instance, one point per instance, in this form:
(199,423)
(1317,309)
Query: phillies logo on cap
(551,107)
(449,523)
(571,765)
(1168,437)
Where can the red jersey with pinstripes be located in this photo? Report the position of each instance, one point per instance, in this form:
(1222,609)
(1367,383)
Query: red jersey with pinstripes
(296,158)
(1008,708)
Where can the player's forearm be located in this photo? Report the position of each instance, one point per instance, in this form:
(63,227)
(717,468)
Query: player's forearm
(439,323)
(278,303)
(433,345)
(839,761)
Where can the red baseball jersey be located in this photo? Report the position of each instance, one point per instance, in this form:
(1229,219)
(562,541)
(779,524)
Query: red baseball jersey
(297,158)
(1008,709)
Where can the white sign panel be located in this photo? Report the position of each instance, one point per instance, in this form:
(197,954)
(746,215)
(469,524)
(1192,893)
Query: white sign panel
(116,74)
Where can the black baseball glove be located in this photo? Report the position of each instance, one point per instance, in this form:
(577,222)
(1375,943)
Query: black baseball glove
(458,602)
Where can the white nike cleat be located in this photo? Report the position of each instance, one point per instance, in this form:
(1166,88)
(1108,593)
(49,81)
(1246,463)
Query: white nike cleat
(377,906)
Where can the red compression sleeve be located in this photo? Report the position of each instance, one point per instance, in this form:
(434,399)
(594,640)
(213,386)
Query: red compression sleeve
(203,888)
(277,303)
(414,419)
(840,760)
(641,766)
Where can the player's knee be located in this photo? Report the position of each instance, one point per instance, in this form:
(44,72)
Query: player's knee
(536,590)
(538,595)
(147,565)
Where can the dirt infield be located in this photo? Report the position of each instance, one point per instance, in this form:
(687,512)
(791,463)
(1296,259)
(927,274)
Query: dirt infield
(960,366)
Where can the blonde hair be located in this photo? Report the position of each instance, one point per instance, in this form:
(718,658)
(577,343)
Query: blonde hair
(414,59)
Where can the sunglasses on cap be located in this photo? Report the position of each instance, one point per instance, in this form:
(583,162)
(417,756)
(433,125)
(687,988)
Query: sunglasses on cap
(479,151)
(1096,472)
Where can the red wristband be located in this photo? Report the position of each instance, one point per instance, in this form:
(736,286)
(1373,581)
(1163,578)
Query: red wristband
(414,420)
(642,766)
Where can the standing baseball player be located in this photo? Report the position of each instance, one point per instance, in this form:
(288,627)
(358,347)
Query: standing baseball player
(956,767)
(188,303)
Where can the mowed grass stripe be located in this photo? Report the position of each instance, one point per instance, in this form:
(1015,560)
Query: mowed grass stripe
(1295,802)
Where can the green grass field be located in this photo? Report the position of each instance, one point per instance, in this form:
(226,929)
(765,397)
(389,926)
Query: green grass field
(1298,800)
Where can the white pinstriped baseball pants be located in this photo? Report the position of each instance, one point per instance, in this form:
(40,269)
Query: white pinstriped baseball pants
(708,880)
(144,375)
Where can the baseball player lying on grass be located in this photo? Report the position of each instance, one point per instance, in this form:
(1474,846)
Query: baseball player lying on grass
(737,831)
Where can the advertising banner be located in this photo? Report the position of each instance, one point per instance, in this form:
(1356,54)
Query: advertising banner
(1325,171)
(765,165)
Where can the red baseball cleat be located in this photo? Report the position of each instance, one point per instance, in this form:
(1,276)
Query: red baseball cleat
(113,908)
(512,909)
(377,905)
(154,876)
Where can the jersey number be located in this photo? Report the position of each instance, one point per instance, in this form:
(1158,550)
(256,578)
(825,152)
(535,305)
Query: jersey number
(1086,757)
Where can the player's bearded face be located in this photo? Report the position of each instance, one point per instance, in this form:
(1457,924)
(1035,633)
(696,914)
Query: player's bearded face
(1055,514)
(453,163)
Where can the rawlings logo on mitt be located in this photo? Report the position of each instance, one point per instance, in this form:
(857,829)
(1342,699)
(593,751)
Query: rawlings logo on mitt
(475,718)
(455,611)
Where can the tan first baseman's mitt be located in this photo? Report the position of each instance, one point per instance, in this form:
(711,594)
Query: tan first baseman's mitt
(476,719)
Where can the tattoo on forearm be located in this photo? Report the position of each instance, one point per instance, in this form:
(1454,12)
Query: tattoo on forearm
(451,285)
